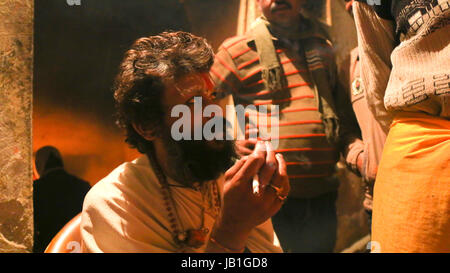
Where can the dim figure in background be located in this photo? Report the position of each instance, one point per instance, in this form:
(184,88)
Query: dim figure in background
(57,196)
(404,48)
(286,59)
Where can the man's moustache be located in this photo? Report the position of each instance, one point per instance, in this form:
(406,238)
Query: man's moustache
(280,5)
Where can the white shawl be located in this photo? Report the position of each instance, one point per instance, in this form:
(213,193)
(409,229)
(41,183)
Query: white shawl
(125,212)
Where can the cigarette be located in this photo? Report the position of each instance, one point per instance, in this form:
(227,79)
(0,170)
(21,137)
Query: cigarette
(255,184)
(260,147)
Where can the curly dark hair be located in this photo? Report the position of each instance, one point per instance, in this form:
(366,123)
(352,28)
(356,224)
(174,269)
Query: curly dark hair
(140,82)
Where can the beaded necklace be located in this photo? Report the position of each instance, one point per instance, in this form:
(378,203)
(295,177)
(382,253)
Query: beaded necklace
(193,238)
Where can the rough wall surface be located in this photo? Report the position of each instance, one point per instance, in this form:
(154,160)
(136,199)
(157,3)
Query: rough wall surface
(16,43)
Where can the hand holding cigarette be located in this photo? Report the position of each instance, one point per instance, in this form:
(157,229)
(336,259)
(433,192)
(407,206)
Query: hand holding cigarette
(263,177)
(254,190)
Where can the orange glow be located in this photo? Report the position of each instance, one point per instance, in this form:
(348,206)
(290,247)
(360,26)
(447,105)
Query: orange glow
(90,149)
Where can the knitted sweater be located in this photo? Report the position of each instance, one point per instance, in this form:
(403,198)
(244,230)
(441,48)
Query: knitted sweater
(406,57)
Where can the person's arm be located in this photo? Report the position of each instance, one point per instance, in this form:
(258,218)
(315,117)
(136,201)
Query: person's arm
(376,42)
(350,143)
(227,80)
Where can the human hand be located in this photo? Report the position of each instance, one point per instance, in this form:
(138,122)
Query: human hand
(245,147)
(242,210)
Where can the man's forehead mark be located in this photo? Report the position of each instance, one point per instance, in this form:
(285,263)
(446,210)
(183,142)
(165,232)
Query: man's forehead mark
(192,84)
(209,83)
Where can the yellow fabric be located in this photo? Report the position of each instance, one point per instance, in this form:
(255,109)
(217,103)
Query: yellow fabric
(411,210)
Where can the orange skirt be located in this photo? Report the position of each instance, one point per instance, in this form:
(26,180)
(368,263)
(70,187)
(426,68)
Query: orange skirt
(411,207)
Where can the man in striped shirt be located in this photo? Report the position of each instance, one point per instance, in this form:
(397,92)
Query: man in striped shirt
(287,60)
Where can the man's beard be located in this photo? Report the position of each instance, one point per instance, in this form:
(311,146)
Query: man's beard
(191,161)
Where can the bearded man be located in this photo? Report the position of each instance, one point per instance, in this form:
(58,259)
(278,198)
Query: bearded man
(175,198)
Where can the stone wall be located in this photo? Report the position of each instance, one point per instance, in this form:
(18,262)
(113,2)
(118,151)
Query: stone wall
(16,43)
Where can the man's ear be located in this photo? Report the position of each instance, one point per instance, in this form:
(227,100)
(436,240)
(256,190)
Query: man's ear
(146,133)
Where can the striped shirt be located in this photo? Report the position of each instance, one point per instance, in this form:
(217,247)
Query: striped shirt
(311,159)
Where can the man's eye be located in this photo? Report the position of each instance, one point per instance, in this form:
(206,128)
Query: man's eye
(213,95)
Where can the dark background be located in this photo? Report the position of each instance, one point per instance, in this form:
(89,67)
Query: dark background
(78,48)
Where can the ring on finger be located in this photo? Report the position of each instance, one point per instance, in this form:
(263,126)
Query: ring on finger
(282,198)
(278,191)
